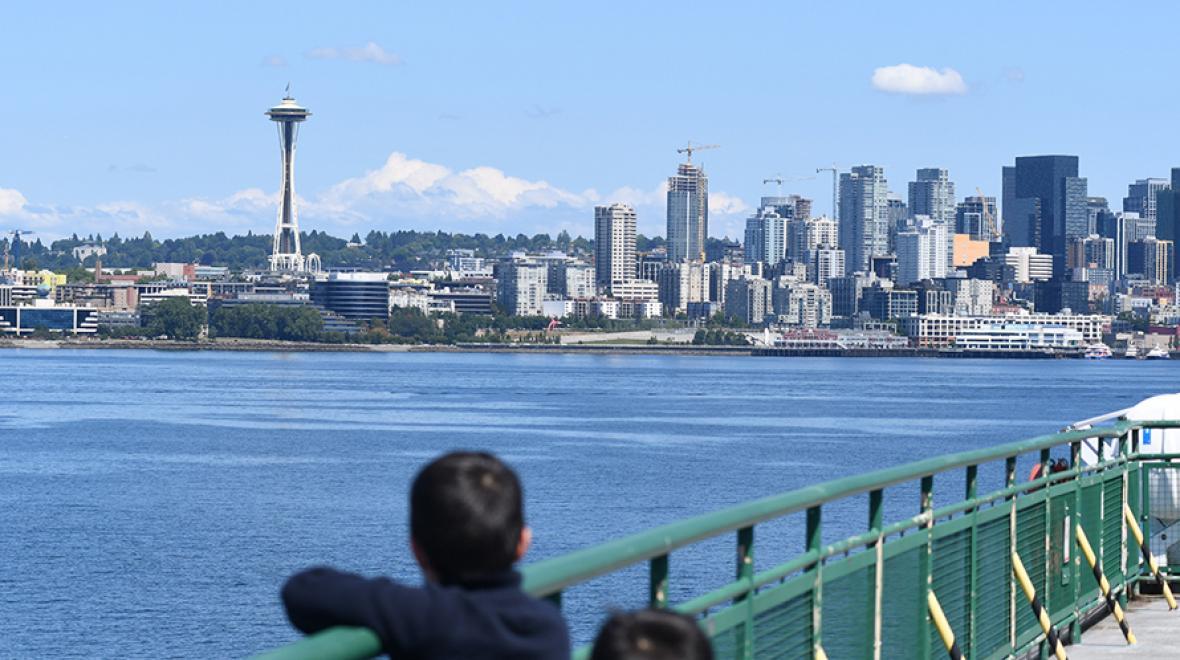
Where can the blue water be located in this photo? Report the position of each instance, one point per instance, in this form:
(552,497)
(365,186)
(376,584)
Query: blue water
(151,504)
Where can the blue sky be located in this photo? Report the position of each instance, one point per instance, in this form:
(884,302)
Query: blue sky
(519,117)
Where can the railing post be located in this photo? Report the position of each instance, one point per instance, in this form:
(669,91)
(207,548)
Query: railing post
(925,564)
(1009,482)
(1075,575)
(745,573)
(971,492)
(814,544)
(876,522)
(1047,531)
(657,591)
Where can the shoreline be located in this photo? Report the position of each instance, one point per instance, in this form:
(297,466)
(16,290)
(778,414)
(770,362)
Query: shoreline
(258,345)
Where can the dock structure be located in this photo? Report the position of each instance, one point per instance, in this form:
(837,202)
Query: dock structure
(961,554)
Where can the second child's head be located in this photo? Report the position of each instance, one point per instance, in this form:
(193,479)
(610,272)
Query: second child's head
(467,517)
(651,635)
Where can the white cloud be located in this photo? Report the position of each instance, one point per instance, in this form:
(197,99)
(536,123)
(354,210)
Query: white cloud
(276,61)
(922,80)
(370,52)
(403,193)
(11,201)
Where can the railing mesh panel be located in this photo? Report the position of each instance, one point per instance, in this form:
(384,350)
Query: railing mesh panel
(952,584)
(783,632)
(847,613)
(1163,507)
(1060,587)
(1112,530)
(993,613)
(900,610)
(1030,545)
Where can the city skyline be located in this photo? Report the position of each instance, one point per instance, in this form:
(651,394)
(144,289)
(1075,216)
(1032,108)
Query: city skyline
(407,137)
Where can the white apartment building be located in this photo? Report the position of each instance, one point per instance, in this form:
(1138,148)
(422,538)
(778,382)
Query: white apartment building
(614,243)
(1030,265)
(923,251)
(521,288)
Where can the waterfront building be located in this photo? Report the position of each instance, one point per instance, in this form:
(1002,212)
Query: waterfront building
(521,287)
(939,331)
(614,244)
(44,315)
(923,251)
(971,218)
(1142,197)
(766,235)
(749,300)
(864,216)
(688,213)
(933,195)
(355,296)
(286,253)
(462,301)
(1019,337)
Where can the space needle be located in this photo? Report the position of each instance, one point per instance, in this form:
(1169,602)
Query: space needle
(286,255)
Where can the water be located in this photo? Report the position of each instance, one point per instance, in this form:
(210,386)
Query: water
(151,504)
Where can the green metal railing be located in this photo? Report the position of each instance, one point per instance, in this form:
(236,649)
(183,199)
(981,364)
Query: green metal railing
(865,595)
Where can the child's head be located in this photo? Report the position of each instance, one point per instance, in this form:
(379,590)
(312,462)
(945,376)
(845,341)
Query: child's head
(467,517)
(651,635)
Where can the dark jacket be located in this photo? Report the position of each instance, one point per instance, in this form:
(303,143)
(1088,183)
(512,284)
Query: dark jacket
(488,618)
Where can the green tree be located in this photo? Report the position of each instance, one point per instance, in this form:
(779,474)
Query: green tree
(177,318)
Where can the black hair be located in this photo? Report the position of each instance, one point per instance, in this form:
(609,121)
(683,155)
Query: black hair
(651,635)
(466,515)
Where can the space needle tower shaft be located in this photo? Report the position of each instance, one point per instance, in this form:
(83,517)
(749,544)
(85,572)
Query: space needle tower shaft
(287,255)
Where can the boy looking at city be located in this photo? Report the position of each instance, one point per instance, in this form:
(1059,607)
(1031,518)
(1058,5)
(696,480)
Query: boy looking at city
(466,531)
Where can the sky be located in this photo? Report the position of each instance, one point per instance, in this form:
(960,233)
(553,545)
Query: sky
(520,117)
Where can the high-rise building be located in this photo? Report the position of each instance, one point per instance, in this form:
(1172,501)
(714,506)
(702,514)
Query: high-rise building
(933,195)
(1167,224)
(802,206)
(803,305)
(521,288)
(1049,205)
(682,283)
(864,216)
(1152,258)
(1120,228)
(766,234)
(804,236)
(1097,208)
(1093,252)
(614,244)
(688,213)
(749,299)
(1142,197)
(286,254)
(971,218)
(898,215)
(825,264)
(922,251)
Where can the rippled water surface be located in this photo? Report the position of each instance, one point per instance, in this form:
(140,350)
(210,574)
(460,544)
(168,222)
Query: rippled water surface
(152,503)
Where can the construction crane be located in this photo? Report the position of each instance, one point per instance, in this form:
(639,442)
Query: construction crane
(778,180)
(690,147)
(989,225)
(14,245)
(835,188)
